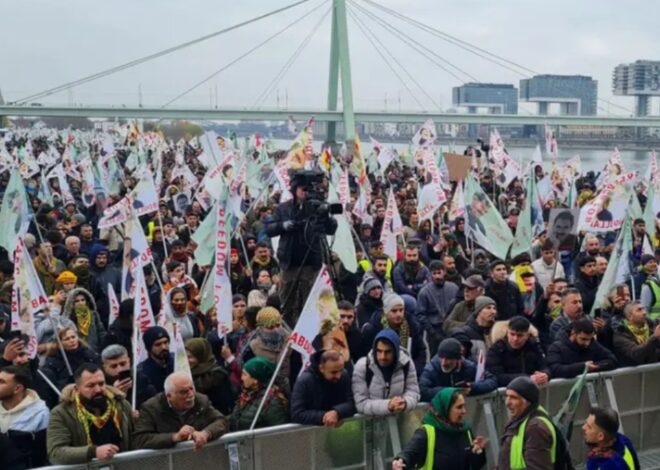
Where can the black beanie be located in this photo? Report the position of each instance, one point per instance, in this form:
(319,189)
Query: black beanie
(153,334)
(524,387)
(450,348)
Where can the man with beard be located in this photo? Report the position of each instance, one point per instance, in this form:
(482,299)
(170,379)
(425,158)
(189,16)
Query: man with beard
(451,273)
(160,362)
(448,368)
(576,349)
(608,449)
(322,394)
(571,310)
(409,277)
(433,304)
(93,420)
(118,373)
(103,274)
(87,240)
(264,261)
(178,414)
(473,287)
(530,438)
(379,271)
(23,421)
(475,334)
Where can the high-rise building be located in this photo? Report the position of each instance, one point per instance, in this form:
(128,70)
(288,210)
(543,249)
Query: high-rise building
(576,94)
(640,79)
(497,98)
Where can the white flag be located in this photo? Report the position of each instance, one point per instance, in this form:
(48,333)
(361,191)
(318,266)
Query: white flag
(222,284)
(114,304)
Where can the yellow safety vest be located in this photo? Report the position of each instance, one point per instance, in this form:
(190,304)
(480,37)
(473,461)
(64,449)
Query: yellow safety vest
(430,446)
(516,456)
(654,311)
(628,458)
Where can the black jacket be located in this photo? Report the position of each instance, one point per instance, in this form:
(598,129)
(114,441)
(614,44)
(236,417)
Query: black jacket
(55,369)
(507,298)
(433,379)
(313,396)
(566,359)
(452,450)
(23,450)
(587,287)
(294,246)
(366,309)
(155,373)
(507,363)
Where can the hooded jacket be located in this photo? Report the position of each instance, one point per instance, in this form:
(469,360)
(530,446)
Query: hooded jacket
(25,427)
(100,278)
(97,332)
(434,379)
(507,298)
(566,359)
(373,398)
(313,396)
(67,444)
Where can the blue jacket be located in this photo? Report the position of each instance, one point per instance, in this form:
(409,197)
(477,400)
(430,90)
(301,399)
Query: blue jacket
(615,461)
(400,282)
(433,379)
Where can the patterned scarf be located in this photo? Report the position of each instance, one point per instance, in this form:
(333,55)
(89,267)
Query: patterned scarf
(641,333)
(249,396)
(403,330)
(87,418)
(83,319)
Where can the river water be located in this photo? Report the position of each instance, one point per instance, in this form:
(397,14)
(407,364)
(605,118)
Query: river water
(592,159)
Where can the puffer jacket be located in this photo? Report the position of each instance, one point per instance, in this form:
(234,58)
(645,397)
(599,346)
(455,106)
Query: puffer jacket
(433,379)
(66,441)
(96,333)
(373,398)
(566,359)
(507,363)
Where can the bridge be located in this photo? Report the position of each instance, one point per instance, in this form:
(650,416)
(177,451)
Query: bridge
(339,79)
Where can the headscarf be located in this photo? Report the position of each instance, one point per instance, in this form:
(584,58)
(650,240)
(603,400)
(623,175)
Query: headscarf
(200,348)
(438,412)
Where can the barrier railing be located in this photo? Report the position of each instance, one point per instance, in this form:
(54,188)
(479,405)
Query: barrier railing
(368,442)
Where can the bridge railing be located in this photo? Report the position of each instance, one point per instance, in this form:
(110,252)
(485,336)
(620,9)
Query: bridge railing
(368,442)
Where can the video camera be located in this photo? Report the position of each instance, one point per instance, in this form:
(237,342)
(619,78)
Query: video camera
(315,205)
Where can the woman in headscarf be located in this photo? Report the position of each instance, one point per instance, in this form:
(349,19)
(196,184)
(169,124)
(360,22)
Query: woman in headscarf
(188,324)
(445,440)
(80,308)
(77,353)
(209,378)
(256,375)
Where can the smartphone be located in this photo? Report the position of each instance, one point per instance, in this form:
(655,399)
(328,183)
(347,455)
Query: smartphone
(124,374)
(14,334)
(460,384)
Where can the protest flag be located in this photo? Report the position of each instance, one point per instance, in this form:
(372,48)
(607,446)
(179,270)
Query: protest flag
(566,414)
(14,212)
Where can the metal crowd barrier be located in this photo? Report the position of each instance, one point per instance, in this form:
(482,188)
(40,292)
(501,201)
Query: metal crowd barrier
(367,442)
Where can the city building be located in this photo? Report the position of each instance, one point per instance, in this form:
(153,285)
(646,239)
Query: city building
(577,95)
(640,79)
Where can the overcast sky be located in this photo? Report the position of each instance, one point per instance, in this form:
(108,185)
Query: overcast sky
(45,43)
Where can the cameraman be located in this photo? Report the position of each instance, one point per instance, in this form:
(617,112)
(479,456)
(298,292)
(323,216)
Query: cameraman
(300,248)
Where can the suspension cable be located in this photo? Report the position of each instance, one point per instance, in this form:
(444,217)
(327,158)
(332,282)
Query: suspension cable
(372,38)
(408,40)
(149,57)
(242,56)
(289,63)
(476,50)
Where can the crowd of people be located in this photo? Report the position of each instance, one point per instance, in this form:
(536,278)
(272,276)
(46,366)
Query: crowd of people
(410,328)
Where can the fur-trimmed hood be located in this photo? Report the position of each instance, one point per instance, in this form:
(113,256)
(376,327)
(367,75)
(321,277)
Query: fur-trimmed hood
(68,304)
(498,331)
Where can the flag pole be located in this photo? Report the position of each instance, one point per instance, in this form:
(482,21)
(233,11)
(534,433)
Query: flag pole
(49,383)
(162,231)
(59,344)
(283,355)
(135,359)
